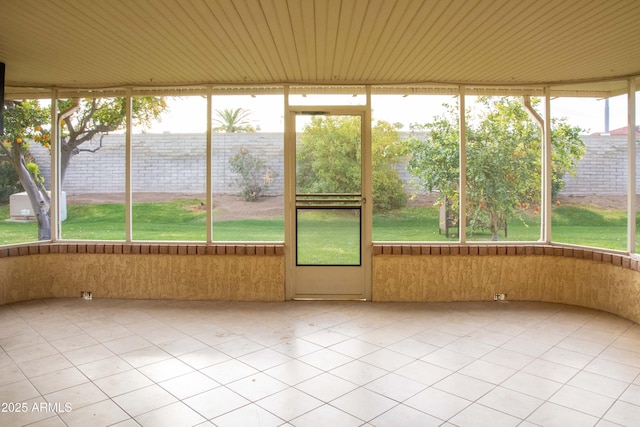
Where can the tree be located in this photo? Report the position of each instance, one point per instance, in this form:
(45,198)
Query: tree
(328,159)
(231,121)
(96,117)
(82,121)
(503,160)
(24,121)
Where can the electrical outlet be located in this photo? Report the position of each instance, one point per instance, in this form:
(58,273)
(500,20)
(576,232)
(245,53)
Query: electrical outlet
(499,297)
(86,295)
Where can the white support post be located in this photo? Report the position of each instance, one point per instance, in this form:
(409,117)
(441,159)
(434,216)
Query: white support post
(129,151)
(546,169)
(289,192)
(462,215)
(209,183)
(631,175)
(367,192)
(54,207)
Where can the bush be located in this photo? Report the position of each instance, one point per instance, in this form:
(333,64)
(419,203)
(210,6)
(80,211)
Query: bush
(254,177)
(388,190)
(9,182)
(328,159)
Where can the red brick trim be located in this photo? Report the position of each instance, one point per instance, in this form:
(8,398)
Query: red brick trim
(143,249)
(603,256)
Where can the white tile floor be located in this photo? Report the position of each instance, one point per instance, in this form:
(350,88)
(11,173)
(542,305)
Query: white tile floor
(168,363)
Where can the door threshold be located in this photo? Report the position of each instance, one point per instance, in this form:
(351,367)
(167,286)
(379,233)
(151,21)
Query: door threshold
(329,299)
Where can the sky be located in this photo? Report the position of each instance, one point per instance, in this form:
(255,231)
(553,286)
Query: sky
(188,114)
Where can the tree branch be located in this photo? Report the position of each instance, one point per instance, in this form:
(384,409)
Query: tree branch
(5,150)
(87,150)
(67,116)
(82,135)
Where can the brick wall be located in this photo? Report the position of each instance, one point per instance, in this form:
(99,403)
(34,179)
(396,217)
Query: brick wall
(603,169)
(173,163)
(177,163)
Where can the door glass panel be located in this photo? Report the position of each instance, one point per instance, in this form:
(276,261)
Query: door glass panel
(328,154)
(328,236)
(328,190)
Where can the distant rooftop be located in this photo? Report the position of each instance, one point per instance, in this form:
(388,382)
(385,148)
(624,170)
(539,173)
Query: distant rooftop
(619,132)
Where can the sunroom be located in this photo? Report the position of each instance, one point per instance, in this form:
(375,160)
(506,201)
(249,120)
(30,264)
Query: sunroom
(418,161)
(381,151)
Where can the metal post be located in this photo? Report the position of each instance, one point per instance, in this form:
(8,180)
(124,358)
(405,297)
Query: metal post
(54,207)
(289,192)
(367,191)
(2,71)
(209,184)
(631,175)
(546,170)
(129,151)
(462,211)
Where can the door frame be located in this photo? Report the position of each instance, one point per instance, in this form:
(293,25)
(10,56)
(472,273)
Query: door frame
(291,269)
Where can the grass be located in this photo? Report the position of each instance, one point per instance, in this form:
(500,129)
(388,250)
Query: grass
(419,224)
(328,237)
(178,220)
(184,220)
(591,226)
(15,232)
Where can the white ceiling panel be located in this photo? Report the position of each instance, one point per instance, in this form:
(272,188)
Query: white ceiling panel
(88,44)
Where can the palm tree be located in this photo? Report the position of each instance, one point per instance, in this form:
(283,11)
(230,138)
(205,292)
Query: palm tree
(230,120)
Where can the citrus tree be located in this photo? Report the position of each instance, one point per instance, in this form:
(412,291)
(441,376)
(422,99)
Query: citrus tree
(503,169)
(87,120)
(329,156)
(23,122)
(92,118)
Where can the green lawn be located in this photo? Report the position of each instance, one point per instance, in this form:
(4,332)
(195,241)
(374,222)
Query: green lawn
(178,220)
(328,237)
(591,226)
(579,225)
(184,220)
(419,224)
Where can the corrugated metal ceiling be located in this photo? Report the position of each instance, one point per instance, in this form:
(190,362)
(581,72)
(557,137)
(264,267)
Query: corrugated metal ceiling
(168,43)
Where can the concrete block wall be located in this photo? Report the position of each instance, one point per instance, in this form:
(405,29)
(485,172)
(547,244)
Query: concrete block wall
(603,169)
(173,163)
(176,163)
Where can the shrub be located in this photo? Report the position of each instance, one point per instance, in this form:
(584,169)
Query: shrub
(328,158)
(9,182)
(254,177)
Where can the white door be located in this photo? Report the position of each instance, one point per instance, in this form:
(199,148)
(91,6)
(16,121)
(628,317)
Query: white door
(329,218)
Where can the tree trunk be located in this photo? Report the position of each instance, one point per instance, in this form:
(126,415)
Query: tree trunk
(39,200)
(495,227)
(65,158)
